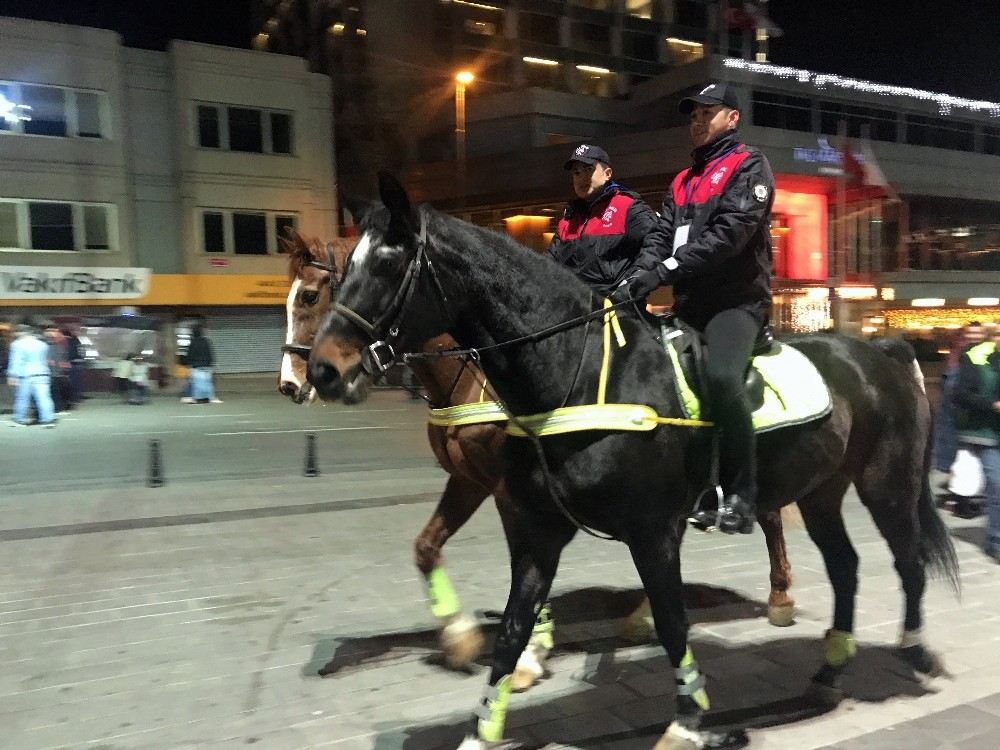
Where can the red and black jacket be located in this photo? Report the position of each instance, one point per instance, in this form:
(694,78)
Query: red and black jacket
(599,239)
(726,198)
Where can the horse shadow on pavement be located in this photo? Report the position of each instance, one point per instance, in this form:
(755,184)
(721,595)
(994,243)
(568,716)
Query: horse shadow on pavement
(574,611)
(751,687)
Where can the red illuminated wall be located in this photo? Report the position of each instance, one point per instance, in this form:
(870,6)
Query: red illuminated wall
(805,216)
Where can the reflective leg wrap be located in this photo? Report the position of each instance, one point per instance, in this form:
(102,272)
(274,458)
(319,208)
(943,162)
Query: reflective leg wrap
(690,681)
(444,600)
(492,710)
(543,632)
(839,647)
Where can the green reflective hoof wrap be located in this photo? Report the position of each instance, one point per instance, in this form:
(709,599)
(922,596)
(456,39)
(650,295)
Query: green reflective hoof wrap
(492,710)
(839,648)
(444,599)
(690,682)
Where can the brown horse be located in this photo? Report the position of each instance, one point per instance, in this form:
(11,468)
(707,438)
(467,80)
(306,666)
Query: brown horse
(470,453)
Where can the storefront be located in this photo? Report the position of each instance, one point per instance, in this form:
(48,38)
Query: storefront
(244,314)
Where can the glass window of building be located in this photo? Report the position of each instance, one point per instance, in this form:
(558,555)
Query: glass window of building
(208,126)
(88,114)
(939,133)
(640,46)
(596,82)
(245,130)
(95,228)
(639,8)
(683,51)
(543,73)
(250,234)
(281,133)
(535,27)
(8,225)
(51,226)
(780,111)
(591,37)
(5,94)
(48,110)
(215,237)
(881,123)
(281,224)
(479,28)
(991,141)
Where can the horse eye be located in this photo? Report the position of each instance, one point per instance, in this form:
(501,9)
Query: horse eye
(309,296)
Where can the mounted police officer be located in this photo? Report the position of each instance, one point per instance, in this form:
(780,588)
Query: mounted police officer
(713,245)
(603,228)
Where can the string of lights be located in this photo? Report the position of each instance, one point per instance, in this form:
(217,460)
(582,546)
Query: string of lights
(945,102)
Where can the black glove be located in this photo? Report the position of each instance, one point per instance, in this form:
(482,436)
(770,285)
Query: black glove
(644,282)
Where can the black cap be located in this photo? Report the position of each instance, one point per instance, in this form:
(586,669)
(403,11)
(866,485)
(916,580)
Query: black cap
(588,155)
(713,93)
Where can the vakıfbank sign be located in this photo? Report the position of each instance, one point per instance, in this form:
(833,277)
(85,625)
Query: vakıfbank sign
(67,282)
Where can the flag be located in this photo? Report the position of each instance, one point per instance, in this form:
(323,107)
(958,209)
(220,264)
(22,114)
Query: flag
(749,16)
(761,20)
(866,171)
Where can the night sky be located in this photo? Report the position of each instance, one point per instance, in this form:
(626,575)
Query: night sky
(952,46)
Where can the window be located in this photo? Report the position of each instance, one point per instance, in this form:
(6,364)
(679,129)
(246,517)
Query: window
(683,51)
(8,225)
(640,46)
(53,111)
(534,27)
(991,141)
(939,133)
(281,223)
(88,114)
(48,110)
(51,226)
(56,225)
(780,111)
(244,232)
(95,228)
(639,8)
(281,133)
(591,38)
(479,28)
(208,126)
(215,238)
(245,131)
(881,122)
(544,75)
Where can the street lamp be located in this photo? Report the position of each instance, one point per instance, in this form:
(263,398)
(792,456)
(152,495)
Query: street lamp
(462,79)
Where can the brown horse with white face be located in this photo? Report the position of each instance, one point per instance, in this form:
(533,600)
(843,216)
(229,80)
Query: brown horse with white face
(470,453)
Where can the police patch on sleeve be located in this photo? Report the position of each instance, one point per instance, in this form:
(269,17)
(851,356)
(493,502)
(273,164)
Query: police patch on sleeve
(760,192)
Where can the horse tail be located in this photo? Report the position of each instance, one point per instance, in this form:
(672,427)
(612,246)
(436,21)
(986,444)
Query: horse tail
(936,549)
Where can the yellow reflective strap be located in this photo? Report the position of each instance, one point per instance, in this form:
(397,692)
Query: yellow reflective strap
(492,711)
(610,323)
(839,647)
(475,413)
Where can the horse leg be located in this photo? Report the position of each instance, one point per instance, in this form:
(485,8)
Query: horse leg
(535,545)
(780,606)
(461,639)
(900,525)
(657,559)
(821,514)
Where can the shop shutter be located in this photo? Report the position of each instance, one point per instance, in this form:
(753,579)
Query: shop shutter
(247,341)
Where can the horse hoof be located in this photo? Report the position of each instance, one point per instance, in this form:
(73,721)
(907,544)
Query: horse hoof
(678,737)
(523,679)
(826,696)
(461,641)
(781,615)
(530,669)
(924,661)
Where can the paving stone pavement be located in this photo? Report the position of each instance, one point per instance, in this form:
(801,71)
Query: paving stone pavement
(197,616)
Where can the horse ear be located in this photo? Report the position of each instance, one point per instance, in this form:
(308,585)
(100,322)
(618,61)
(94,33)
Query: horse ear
(358,208)
(394,197)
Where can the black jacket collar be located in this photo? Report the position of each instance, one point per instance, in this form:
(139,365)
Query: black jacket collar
(704,154)
(585,206)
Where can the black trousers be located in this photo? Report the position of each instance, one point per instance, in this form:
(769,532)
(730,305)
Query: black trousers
(729,338)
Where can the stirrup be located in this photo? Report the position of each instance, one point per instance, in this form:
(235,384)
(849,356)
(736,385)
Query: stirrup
(707,519)
(733,521)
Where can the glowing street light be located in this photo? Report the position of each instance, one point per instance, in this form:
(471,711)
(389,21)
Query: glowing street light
(462,79)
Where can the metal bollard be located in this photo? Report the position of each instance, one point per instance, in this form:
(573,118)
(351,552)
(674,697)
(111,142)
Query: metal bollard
(155,478)
(311,469)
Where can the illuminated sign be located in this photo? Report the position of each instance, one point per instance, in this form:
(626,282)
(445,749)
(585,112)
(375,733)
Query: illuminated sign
(831,159)
(12,112)
(60,282)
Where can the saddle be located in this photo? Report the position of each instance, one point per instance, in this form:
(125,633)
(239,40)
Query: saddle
(782,385)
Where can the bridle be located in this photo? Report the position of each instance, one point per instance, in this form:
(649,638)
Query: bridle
(301,350)
(379,356)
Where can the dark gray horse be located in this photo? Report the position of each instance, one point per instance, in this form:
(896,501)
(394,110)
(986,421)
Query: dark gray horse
(418,273)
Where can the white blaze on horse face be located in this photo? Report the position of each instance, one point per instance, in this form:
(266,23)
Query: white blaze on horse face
(360,253)
(287,370)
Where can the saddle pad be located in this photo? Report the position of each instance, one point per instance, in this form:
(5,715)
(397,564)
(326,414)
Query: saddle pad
(794,391)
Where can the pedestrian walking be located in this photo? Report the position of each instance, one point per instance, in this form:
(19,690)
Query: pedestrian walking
(28,374)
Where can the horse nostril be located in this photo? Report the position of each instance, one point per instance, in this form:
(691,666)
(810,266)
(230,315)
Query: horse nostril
(322,373)
(287,388)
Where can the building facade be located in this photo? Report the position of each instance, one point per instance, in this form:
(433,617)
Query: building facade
(159,181)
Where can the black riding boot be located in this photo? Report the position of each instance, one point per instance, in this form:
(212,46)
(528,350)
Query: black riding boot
(737,516)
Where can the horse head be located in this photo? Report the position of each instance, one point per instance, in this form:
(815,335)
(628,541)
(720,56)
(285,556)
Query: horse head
(381,308)
(312,270)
